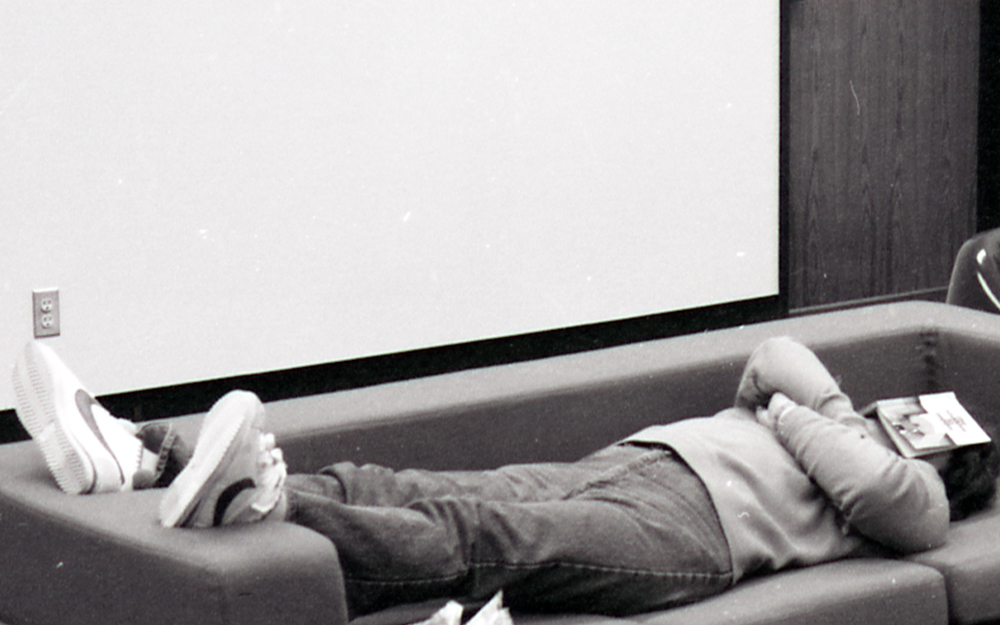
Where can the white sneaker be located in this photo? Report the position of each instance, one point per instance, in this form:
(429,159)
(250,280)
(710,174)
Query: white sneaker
(236,474)
(86,449)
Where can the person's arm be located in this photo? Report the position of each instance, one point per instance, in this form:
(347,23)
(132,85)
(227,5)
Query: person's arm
(897,502)
(787,366)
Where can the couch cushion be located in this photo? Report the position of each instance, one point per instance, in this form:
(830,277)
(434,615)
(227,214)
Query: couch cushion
(859,591)
(850,591)
(970,563)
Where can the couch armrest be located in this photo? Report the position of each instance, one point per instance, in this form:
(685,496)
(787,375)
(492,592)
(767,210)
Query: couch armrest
(105,559)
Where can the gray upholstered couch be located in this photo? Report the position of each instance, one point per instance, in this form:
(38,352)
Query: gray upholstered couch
(103,559)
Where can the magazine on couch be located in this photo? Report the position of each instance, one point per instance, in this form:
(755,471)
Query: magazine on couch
(927,424)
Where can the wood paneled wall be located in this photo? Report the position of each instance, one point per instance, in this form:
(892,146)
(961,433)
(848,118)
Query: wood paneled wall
(882,128)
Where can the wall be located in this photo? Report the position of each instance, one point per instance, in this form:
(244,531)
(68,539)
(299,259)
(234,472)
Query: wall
(882,145)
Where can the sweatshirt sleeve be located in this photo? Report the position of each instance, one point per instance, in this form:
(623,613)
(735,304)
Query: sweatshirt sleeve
(897,502)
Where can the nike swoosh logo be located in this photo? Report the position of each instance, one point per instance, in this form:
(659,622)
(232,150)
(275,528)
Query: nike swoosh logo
(227,496)
(84,402)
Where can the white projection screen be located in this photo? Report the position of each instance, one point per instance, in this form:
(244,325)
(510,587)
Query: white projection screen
(488,169)
(271,185)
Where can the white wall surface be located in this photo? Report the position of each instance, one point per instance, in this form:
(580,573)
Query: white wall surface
(229,188)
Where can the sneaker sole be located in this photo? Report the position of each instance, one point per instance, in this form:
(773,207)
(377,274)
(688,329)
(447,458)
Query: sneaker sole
(216,439)
(69,464)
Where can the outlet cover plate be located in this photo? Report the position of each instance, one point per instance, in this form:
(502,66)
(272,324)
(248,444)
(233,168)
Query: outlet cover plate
(45,312)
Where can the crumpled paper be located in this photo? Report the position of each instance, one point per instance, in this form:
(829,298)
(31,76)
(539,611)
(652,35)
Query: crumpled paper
(493,613)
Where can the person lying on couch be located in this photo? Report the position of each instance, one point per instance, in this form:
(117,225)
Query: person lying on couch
(790,476)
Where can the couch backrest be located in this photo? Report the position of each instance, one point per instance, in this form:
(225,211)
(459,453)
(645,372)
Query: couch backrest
(562,408)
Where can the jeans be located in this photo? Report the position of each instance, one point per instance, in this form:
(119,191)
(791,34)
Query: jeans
(627,529)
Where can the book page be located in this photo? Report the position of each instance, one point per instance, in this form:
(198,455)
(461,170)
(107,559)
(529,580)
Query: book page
(947,415)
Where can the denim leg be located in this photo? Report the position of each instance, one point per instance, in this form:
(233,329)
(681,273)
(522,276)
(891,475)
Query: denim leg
(637,536)
(373,485)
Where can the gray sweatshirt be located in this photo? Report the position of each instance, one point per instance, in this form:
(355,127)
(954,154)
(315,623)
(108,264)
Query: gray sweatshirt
(823,483)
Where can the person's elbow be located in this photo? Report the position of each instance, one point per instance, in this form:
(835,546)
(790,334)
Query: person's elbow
(927,532)
(909,519)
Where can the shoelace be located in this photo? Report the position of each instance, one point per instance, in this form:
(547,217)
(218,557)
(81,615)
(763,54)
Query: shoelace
(273,471)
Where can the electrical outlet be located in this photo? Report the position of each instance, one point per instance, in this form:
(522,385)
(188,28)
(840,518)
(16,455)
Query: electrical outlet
(45,311)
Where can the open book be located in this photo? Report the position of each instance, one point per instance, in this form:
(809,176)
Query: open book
(927,424)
